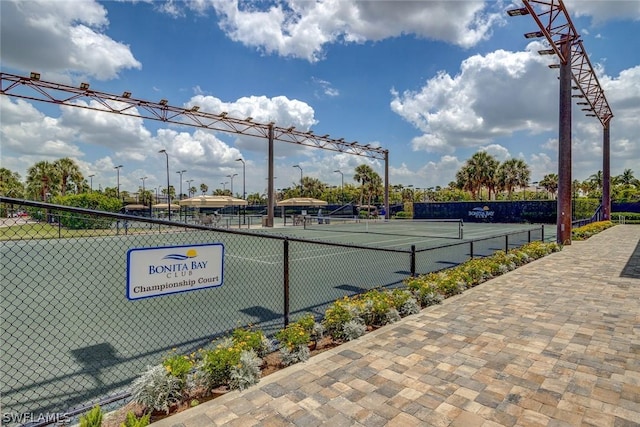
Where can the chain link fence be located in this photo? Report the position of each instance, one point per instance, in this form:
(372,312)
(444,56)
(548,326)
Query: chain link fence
(70,337)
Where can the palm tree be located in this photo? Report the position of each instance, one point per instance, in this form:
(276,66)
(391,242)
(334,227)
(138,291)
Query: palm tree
(68,172)
(550,183)
(41,180)
(597,180)
(627,179)
(204,188)
(513,173)
(312,187)
(363,175)
(479,171)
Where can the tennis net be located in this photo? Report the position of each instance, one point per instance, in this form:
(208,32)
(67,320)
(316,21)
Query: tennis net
(444,228)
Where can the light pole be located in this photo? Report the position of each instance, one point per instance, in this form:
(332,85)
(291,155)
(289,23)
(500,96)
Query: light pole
(189,181)
(231,177)
(117,168)
(342,183)
(244,191)
(181,172)
(298,166)
(91,181)
(180,195)
(142,179)
(168,193)
(224,187)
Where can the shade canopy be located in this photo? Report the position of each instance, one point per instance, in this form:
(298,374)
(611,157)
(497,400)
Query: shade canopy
(301,201)
(206,201)
(174,207)
(135,207)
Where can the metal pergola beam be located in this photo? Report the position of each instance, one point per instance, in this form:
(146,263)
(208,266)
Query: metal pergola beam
(35,89)
(556,26)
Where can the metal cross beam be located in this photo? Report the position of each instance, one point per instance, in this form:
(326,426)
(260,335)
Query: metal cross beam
(556,26)
(33,88)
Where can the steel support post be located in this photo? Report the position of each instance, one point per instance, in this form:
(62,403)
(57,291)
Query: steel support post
(606,173)
(563,216)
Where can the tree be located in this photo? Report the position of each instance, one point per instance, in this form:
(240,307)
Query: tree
(479,171)
(550,183)
(362,175)
(596,179)
(204,188)
(513,173)
(312,187)
(41,180)
(626,179)
(68,173)
(10,184)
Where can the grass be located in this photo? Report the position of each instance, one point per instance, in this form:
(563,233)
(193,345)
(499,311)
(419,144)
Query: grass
(53,231)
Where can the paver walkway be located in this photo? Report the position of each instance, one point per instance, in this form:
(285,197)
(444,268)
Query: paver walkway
(553,343)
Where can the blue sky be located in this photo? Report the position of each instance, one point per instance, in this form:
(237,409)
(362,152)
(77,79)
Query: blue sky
(433,82)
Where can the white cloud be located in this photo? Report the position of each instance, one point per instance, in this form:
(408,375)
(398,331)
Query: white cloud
(61,37)
(301,29)
(493,95)
(603,11)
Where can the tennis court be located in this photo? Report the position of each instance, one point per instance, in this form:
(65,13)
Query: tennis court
(71,337)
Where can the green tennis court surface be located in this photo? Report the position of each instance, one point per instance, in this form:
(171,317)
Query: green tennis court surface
(71,336)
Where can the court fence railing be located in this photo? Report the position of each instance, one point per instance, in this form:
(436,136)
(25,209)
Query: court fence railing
(71,338)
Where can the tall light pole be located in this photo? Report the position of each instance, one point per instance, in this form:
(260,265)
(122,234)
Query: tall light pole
(298,166)
(224,187)
(231,177)
(117,168)
(189,181)
(142,179)
(181,172)
(91,181)
(244,191)
(168,193)
(342,183)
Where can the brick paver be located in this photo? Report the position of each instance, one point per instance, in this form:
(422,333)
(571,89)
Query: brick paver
(553,343)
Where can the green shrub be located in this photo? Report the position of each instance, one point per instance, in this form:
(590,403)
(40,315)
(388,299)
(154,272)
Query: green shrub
(178,365)
(157,390)
(586,231)
(94,201)
(217,363)
(403,215)
(294,335)
(93,418)
(336,316)
(247,372)
(251,340)
(133,421)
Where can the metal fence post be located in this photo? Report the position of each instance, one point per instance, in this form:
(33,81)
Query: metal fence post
(286,281)
(413,260)
(506,243)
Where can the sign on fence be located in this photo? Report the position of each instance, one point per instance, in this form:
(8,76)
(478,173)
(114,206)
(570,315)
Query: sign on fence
(153,272)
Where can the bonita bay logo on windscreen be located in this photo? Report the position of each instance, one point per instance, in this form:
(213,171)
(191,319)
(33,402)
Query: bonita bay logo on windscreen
(153,272)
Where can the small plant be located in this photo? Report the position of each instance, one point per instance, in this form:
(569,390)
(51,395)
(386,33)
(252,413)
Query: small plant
(294,335)
(251,340)
(157,390)
(291,356)
(93,418)
(353,329)
(133,421)
(247,372)
(375,306)
(336,316)
(217,363)
(194,403)
(178,365)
